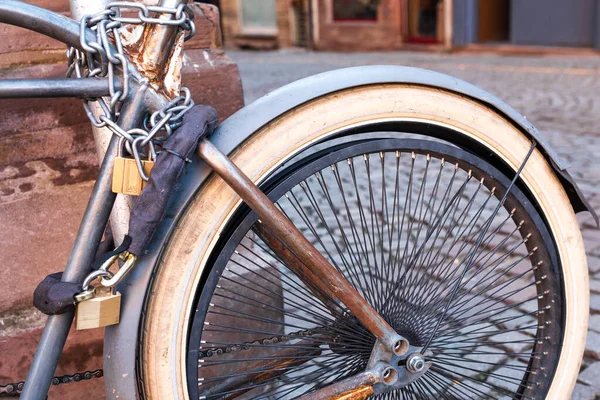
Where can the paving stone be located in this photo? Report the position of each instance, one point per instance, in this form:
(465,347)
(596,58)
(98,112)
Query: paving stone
(582,392)
(508,377)
(487,356)
(513,318)
(515,341)
(595,302)
(593,263)
(594,322)
(591,375)
(591,238)
(595,285)
(592,345)
(529,307)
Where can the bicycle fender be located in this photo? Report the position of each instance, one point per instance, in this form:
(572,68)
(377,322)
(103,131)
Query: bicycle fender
(121,341)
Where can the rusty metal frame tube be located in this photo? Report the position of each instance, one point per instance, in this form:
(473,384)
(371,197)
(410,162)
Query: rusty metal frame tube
(296,266)
(328,279)
(356,387)
(161,37)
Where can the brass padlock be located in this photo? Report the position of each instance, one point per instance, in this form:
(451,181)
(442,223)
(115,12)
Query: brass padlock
(126,177)
(103,309)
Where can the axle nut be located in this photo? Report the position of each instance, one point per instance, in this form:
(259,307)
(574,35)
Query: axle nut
(415,362)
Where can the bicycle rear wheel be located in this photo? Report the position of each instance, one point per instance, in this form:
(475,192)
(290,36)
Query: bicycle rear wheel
(401,219)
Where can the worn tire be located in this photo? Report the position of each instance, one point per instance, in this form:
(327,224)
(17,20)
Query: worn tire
(170,304)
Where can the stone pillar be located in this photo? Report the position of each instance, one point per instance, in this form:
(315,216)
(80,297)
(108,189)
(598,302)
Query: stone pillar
(47,167)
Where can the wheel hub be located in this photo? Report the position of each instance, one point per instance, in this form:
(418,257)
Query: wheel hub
(401,370)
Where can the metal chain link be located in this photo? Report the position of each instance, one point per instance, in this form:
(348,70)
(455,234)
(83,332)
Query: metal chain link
(217,351)
(15,389)
(102,55)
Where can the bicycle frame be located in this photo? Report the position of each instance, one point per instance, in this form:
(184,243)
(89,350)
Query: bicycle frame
(96,216)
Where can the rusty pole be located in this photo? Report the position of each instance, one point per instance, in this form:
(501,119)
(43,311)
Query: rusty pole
(356,387)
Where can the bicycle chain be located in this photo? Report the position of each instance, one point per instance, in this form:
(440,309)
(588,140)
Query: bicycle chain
(15,389)
(217,351)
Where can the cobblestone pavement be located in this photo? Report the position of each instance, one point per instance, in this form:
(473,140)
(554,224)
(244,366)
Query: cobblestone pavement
(559,95)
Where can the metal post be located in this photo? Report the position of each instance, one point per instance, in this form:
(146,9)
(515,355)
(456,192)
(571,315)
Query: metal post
(119,219)
(158,44)
(328,279)
(82,255)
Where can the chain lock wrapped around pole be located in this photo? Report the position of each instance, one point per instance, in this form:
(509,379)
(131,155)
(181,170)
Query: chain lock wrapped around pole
(104,57)
(151,205)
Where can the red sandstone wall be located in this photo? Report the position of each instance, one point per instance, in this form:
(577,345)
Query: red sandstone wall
(47,167)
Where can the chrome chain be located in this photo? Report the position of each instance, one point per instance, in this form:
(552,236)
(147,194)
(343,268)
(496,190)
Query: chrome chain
(102,55)
(15,389)
(99,58)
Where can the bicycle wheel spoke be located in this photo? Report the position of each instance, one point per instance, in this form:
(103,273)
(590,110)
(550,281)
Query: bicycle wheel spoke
(448,253)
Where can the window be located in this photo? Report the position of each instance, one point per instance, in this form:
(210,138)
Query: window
(355,10)
(258,16)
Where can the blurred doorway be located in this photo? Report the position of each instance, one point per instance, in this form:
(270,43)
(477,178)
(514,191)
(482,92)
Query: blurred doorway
(572,23)
(494,21)
(299,23)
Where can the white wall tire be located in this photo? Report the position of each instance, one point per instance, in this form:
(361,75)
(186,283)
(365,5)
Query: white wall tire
(171,301)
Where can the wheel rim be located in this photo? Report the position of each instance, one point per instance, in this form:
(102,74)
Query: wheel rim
(469,361)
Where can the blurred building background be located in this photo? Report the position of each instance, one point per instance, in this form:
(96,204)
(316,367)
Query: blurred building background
(424,24)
